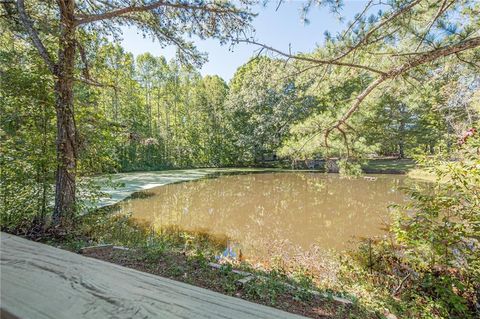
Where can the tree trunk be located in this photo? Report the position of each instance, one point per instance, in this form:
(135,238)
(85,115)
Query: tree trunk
(401,151)
(66,130)
(401,140)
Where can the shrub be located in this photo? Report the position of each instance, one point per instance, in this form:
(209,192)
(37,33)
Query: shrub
(430,265)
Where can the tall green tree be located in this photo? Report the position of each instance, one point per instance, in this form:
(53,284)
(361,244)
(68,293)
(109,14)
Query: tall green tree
(263,104)
(27,141)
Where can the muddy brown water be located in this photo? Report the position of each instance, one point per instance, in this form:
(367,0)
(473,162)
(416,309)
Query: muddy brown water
(261,212)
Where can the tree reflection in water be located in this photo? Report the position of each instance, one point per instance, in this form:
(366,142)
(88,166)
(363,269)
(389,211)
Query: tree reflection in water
(263,213)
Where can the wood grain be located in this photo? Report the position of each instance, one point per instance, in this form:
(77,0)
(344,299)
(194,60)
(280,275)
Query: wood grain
(40,281)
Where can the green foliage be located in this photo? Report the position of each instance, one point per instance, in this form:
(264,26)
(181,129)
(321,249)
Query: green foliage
(447,219)
(429,268)
(304,283)
(267,289)
(441,238)
(153,116)
(27,141)
(262,105)
(349,168)
(162,114)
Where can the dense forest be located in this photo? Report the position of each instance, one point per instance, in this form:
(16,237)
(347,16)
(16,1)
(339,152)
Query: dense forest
(399,82)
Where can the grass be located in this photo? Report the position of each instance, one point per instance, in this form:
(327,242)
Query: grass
(422,174)
(399,166)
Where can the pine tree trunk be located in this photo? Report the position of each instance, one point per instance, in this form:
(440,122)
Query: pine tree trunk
(401,150)
(65,186)
(401,142)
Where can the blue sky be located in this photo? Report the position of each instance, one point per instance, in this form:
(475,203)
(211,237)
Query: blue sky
(279,29)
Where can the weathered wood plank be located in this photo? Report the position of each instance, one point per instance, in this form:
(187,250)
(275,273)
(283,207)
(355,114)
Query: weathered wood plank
(40,281)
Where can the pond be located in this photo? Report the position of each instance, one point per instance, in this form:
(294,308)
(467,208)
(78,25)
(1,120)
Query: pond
(259,213)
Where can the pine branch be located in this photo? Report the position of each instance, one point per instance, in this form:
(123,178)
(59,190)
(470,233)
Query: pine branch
(364,40)
(313,60)
(83,19)
(37,42)
(421,59)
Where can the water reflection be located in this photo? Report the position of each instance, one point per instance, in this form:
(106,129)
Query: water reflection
(259,210)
